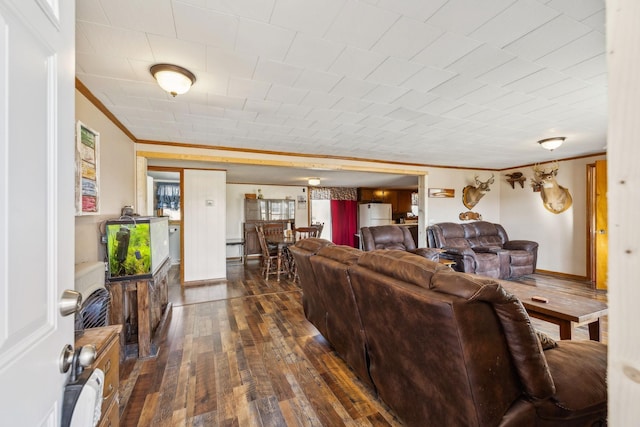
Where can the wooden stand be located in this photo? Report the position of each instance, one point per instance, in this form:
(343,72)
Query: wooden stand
(141,306)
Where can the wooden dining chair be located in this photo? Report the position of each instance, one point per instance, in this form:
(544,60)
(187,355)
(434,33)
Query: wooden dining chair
(269,254)
(305,232)
(319,226)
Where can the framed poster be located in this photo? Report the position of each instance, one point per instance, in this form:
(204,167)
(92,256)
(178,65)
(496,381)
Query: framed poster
(87,170)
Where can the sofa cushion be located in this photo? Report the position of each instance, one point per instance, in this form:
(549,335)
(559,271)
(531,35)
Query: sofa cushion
(523,344)
(343,254)
(576,366)
(520,258)
(401,265)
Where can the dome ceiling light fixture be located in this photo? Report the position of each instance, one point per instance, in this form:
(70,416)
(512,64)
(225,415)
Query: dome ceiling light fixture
(314,181)
(552,143)
(173,78)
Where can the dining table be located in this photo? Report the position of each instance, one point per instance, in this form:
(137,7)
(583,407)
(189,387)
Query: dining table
(282,241)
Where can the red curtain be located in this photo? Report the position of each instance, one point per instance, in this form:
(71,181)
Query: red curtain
(344,221)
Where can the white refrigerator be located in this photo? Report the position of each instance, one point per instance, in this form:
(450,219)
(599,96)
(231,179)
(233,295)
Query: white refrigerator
(372,214)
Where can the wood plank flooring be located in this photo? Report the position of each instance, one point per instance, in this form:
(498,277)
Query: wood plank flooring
(239,352)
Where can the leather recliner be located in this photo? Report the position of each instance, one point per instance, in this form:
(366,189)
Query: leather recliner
(394,237)
(483,248)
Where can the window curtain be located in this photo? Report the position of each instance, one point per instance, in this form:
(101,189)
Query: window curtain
(167,196)
(344,220)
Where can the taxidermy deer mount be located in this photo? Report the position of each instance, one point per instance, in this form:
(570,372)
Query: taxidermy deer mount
(555,197)
(471,195)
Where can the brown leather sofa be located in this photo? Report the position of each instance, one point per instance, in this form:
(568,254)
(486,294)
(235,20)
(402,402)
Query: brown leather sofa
(447,348)
(483,248)
(394,237)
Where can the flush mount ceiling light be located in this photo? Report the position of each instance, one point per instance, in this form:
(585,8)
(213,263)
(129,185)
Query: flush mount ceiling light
(552,143)
(314,181)
(172,78)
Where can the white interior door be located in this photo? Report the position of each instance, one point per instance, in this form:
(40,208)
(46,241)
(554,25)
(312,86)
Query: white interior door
(36,205)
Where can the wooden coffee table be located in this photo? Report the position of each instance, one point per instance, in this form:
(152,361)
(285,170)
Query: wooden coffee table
(566,311)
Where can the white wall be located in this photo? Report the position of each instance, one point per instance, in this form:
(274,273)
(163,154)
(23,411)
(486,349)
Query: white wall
(117,180)
(203,226)
(449,209)
(562,237)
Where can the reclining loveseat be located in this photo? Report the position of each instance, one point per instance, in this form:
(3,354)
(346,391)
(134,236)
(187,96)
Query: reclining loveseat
(447,348)
(483,248)
(394,237)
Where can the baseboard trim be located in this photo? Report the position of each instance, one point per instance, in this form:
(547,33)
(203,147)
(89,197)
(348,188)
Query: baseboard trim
(563,275)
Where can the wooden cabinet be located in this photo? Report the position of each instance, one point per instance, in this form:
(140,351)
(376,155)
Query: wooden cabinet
(269,209)
(400,200)
(107,342)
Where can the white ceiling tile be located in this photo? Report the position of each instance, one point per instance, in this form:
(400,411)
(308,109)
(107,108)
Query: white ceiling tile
(356,63)
(448,48)
(596,21)
(245,88)
(480,61)
(254,9)
(117,42)
(313,52)
(578,9)
(203,110)
(414,99)
(264,40)
(261,106)
(360,24)
(531,104)
(375,121)
(173,51)
(535,81)
(465,111)
(428,78)
(352,87)
(512,23)
(484,94)
(91,11)
(440,106)
(240,115)
(378,109)
(150,16)
(394,71)
(82,42)
(402,113)
(323,114)
(293,110)
(309,16)
(317,80)
(426,119)
(317,99)
(224,61)
(384,94)
(225,102)
(115,67)
(418,9)
(277,72)
(465,16)
(560,88)
(588,69)
(547,38)
(457,87)
(509,72)
(579,50)
(348,117)
(205,26)
(286,94)
(351,104)
(406,38)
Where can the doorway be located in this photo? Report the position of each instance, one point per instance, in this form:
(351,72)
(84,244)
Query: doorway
(598,240)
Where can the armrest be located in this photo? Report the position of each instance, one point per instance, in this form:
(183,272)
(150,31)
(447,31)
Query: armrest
(487,249)
(458,251)
(428,253)
(523,245)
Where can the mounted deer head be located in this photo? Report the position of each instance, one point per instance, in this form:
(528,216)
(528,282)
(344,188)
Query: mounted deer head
(555,197)
(471,195)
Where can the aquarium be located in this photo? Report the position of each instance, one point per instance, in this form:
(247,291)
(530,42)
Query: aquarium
(136,246)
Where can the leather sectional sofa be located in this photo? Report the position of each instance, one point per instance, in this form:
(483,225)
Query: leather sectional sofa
(446,348)
(483,248)
(394,237)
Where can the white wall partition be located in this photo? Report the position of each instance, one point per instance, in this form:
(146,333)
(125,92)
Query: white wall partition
(204,223)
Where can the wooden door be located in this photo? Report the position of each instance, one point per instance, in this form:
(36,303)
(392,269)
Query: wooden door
(37,206)
(601,230)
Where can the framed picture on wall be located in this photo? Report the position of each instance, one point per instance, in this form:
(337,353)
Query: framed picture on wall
(87,170)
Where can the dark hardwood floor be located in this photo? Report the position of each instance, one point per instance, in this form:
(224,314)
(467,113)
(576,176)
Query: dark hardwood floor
(240,352)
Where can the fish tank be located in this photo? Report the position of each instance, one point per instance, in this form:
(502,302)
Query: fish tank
(136,246)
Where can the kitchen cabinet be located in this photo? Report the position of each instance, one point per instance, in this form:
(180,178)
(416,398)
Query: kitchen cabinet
(400,200)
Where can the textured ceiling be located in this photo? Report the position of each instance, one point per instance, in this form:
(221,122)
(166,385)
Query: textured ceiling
(459,83)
